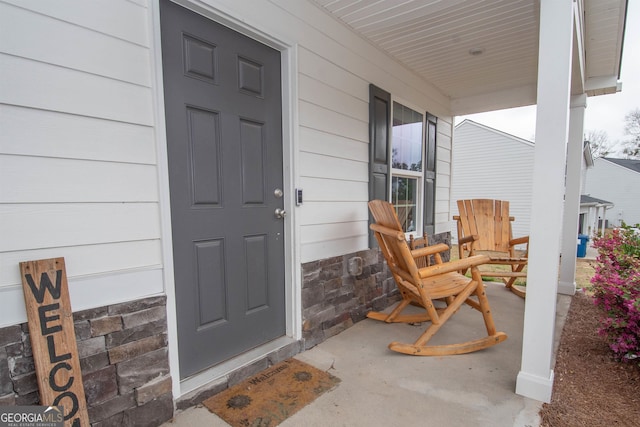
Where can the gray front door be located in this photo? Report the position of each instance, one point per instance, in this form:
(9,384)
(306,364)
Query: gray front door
(224,135)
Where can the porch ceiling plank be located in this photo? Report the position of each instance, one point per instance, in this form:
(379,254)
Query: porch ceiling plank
(420,10)
(448,59)
(337,5)
(385,11)
(435,39)
(439,29)
(438,24)
(494,41)
(325,3)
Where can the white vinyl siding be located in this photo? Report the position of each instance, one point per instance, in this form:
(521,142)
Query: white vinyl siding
(616,184)
(77,151)
(489,164)
(333,158)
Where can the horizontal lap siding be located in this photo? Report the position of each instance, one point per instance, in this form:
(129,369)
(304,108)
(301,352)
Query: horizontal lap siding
(74,180)
(77,152)
(33,84)
(70,136)
(489,164)
(89,259)
(333,158)
(35,225)
(616,184)
(75,46)
(120,19)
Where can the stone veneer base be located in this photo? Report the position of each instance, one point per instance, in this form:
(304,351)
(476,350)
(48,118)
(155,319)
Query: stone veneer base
(124,361)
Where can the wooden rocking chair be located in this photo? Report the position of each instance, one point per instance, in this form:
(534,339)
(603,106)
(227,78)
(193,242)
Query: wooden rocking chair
(421,286)
(484,225)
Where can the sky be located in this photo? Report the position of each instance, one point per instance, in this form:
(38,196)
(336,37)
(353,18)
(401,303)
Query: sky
(604,113)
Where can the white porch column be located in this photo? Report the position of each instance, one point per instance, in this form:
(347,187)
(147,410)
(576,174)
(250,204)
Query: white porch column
(575,149)
(535,379)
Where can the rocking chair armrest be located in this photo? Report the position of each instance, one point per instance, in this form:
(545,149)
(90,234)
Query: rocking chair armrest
(519,241)
(387,231)
(457,265)
(468,239)
(429,250)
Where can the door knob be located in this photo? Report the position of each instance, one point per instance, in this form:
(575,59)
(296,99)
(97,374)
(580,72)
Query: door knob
(280,213)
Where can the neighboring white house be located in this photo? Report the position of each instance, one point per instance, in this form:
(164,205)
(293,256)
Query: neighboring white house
(491,164)
(158,145)
(593,215)
(616,180)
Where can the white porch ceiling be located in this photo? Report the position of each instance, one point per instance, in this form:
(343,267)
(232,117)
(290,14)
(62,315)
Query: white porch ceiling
(437,38)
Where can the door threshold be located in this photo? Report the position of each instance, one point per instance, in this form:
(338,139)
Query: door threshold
(220,372)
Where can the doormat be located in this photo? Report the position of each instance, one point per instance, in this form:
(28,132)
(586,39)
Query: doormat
(272,396)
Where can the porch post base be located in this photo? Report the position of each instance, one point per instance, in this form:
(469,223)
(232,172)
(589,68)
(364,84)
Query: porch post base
(567,288)
(535,387)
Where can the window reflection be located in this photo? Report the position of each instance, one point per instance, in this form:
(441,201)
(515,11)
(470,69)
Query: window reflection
(404,197)
(407,138)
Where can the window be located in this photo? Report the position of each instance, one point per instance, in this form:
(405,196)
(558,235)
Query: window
(402,160)
(406,165)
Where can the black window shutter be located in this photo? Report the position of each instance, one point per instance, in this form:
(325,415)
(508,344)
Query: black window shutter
(379,131)
(430,175)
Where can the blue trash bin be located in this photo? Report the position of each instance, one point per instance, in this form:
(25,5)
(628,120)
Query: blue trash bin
(582,245)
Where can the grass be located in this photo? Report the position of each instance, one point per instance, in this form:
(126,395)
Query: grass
(490,267)
(585,269)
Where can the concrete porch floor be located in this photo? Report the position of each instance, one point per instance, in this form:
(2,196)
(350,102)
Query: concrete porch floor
(383,388)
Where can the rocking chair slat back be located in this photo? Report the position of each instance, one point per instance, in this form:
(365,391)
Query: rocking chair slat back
(484,225)
(489,220)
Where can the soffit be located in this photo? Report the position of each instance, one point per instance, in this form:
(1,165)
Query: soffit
(604,22)
(434,38)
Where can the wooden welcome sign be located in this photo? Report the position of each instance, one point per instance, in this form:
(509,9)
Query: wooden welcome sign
(53,339)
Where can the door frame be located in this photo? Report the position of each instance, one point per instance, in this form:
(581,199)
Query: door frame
(292,266)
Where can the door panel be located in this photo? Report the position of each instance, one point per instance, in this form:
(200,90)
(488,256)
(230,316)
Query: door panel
(224,144)
(204,156)
(253,167)
(211,282)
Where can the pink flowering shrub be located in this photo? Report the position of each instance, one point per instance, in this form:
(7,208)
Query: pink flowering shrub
(616,287)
